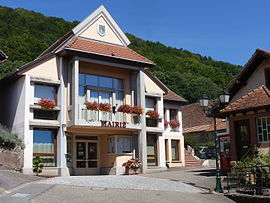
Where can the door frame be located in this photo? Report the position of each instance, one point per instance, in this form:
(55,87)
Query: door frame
(156,156)
(238,139)
(85,171)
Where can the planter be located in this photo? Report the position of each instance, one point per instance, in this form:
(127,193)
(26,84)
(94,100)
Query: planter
(105,116)
(92,115)
(136,118)
(151,122)
(132,171)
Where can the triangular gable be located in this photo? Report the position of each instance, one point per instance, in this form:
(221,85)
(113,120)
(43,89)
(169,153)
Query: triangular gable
(88,28)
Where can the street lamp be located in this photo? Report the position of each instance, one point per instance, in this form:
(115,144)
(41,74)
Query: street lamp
(212,112)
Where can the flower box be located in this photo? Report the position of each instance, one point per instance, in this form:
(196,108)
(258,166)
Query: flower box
(132,171)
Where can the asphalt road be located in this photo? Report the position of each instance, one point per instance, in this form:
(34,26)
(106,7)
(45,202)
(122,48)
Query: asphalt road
(159,187)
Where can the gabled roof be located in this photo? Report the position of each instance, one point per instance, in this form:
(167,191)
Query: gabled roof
(105,49)
(195,120)
(101,11)
(255,60)
(169,94)
(258,98)
(3,56)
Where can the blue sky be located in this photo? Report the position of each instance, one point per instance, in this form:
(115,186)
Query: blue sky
(227,30)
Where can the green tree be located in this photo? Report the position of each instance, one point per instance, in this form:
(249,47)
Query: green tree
(38,165)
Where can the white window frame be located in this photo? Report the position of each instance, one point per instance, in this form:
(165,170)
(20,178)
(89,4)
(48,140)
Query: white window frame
(268,132)
(115,137)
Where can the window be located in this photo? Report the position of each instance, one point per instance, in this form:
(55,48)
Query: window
(173,114)
(44,145)
(263,129)
(175,150)
(44,91)
(267,77)
(150,104)
(120,144)
(46,115)
(101,89)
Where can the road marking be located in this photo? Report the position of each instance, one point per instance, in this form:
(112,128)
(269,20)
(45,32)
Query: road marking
(20,195)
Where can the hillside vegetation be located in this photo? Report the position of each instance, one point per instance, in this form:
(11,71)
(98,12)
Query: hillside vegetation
(26,34)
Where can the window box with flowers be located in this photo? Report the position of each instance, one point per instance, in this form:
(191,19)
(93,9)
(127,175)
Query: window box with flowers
(106,110)
(152,119)
(47,103)
(132,166)
(174,125)
(166,124)
(92,110)
(137,111)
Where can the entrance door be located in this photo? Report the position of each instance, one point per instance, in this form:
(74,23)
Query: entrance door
(242,139)
(152,158)
(86,158)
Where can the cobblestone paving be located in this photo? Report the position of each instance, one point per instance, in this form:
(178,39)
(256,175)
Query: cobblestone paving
(124,182)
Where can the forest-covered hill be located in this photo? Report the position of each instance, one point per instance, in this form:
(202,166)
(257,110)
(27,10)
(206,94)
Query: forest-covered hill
(26,34)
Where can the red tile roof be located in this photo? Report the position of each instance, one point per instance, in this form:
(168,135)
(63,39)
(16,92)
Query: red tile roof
(171,96)
(195,120)
(106,49)
(256,99)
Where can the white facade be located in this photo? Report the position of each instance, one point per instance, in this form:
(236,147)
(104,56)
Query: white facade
(76,141)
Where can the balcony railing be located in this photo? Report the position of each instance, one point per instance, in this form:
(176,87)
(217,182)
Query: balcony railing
(89,116)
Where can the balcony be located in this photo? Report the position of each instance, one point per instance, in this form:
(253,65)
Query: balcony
(108,119)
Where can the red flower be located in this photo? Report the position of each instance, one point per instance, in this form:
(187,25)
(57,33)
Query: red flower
(94,106)
(125,108)
(105,107)
(152,114)
(174,124)
(137,110)
(132,163)
(47,103)
(166,123)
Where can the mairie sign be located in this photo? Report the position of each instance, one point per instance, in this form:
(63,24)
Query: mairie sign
(111,124)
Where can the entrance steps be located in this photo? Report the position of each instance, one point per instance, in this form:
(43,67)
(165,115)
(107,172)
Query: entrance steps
(192,161)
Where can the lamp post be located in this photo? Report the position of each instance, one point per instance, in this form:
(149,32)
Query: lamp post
(212,112)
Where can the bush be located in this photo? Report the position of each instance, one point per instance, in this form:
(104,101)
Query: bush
(191,141)
(252,161)
(9,140)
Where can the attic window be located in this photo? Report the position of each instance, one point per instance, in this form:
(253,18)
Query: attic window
(101,29)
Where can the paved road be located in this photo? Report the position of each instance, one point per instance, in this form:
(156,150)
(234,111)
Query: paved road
(199,177)
(124,182)
(109,189)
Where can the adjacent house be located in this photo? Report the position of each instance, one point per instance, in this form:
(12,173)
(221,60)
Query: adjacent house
(248,112)
(198,125)
(67,105)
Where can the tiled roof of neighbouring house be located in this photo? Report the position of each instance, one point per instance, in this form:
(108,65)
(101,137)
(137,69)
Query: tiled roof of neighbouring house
(256,59)
(171,96)
(256,99)
(106,49)
(195,119)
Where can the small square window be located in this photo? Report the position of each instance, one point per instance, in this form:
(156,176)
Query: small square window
(44,91)
(46,115)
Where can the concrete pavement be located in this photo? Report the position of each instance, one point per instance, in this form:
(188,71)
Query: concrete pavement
(199,177)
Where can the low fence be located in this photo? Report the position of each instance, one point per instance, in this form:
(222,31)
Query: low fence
(249,180)
(11,159)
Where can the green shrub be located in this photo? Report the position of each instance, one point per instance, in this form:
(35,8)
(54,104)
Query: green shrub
(191,141)
(252,161)
(9,140)
(38,165)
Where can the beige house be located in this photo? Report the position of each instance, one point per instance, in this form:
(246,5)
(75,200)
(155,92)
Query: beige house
(66,105)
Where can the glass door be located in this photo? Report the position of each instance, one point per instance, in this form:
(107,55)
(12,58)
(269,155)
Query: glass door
(152,150)
(86,158)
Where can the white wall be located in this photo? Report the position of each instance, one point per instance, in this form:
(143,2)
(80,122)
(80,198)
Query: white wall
(255,80)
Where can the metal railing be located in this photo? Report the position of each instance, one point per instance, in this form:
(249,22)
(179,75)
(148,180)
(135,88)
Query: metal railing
(249,180)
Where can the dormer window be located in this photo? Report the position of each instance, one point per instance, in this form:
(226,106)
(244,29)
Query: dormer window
(267,77)
(101,29)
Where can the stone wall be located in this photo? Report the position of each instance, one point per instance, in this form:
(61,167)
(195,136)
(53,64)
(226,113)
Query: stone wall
(11,159)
